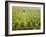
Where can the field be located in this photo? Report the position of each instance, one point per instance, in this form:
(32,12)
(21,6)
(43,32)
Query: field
(25,18)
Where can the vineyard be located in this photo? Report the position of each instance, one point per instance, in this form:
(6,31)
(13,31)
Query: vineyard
(25,18)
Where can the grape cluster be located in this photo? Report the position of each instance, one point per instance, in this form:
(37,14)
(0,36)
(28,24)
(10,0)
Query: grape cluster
(26,22)
(25,19)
